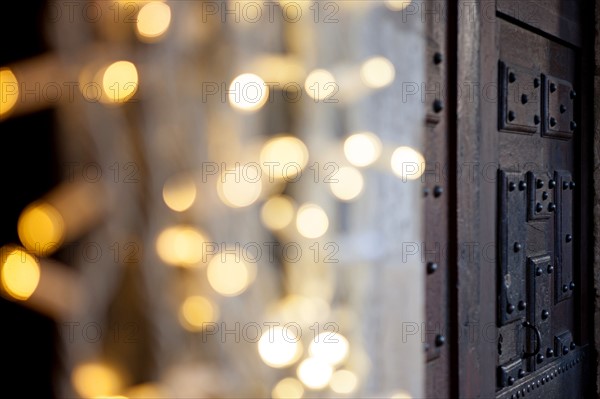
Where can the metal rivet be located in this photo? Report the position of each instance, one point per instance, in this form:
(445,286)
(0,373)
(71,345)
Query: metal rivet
(536,82)
(565,185)
(552,87)
(536,119)
(573,125)
(565,288)
(572,94)
(540,358)
(563,109)
(521,373)
(517,247)
(440,340)
(539,207)
(522,305)
(549,352)
(511,380)
(538,271)
(565,350)
(437,58)
(573,345)
(431,267)
(552,121)
(552,183)
(511,77)
(572,286)
(545,195)
(438,106)
(550,269)
(510,308)
(539,183)
(572,185)
(518,394)
(511,115)
(551,207)
(545,314)
(437,191)
(512,186)
(524,98)
(522,185)
(569,238)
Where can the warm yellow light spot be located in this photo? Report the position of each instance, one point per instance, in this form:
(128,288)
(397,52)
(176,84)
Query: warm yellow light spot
(401,395)
(181,246)
(229,275)
(153,20)
(20,273)
(41,228)
(9,91)
(408,163)
(119,82)
(196,312)
(320,85)
(92,380)
(288,388)
(283,158)
(248,92)
(179,192)
(362,149)
(145,391)
(312,221)
(343,381)
(397,5)
(279,347)
(349,183)
(330,347)
(278,212)
(241,186)
(377,72)
(314,373)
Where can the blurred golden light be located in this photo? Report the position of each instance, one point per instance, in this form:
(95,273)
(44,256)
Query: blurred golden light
(179,192)
(377,72)
(145,391)
(397,5)
(314,373)
(119,82)
(41,228)
(288,388)
(312,221)
(343,381)
(230,275)
(349,183)
(362,149)
(283,157)
(320,84)
(331,347)
(248,92)
(279,347)
(9,90)
(20,273)
(408,163)
(401,395)
(181,246)
(153,20)
(278,212)
(92,380)
(196,311)
(237,189)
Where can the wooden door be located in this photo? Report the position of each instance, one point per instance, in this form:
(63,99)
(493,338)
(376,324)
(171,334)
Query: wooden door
(528,133)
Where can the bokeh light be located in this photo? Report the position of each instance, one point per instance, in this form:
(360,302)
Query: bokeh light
(20,274)
(343,381)
(179,192)
(229,275)
(401,395)
(277,212)
(288,388)
(153,20)
(181,246)
(279,347)
(95,379)
(347,183)
(312,221)
(241,186)
(119,82)
(397,5)
(9,91)
(196,311)
(321,85)
(408,163)
(248,92)
(362,149)
(314,373)
(377,72)
(41,228)
(283,158)
(331,347)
